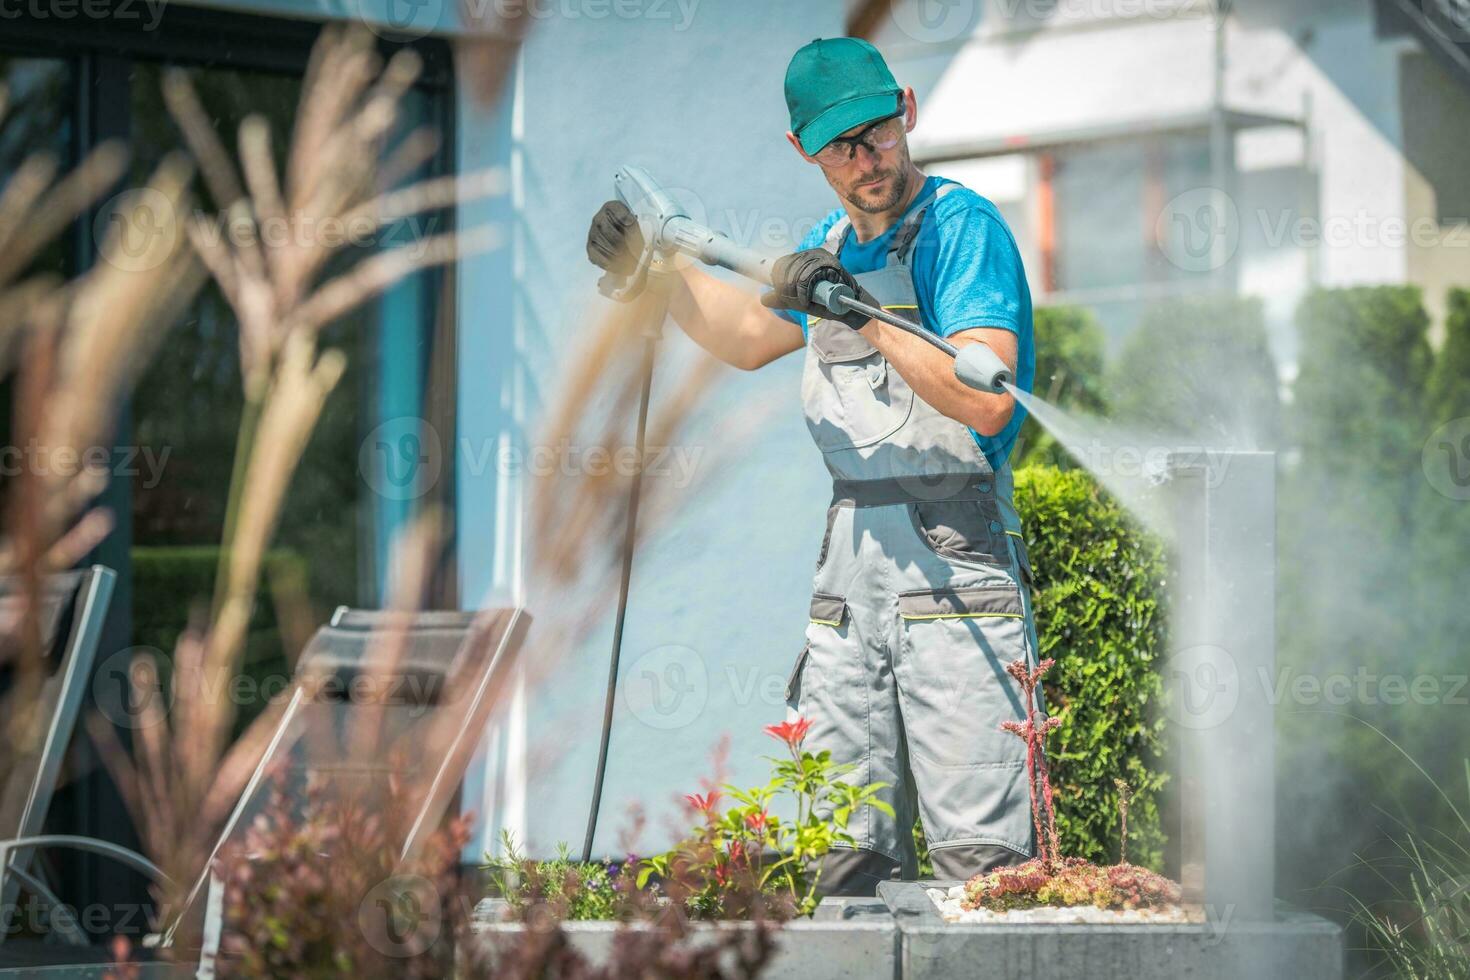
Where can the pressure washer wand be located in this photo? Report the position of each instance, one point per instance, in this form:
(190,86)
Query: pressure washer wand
(668,230)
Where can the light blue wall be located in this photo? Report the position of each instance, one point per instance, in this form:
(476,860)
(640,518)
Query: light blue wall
(720,595)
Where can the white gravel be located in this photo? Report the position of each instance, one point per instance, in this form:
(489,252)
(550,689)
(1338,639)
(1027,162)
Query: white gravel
(949,909)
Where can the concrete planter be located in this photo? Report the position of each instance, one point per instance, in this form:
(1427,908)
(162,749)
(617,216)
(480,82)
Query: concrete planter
(1296,945)
(846,938)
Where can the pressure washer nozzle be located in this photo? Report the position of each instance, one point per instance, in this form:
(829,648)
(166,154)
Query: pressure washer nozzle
(981,368)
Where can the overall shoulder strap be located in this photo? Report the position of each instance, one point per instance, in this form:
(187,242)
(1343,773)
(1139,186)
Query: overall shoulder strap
(903,239)
(835,235)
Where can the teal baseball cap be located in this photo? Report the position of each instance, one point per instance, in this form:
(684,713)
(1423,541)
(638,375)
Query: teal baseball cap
(834,84)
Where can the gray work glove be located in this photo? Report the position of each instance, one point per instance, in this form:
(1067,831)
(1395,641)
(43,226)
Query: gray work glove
(794,276)
(614,242)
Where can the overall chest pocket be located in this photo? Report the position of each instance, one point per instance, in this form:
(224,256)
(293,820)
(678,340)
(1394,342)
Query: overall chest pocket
(853,396)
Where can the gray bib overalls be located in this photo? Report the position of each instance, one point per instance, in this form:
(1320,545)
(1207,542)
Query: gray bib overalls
(920,599)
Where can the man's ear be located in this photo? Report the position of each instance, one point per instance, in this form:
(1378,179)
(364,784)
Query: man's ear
(791,138)
(910,110)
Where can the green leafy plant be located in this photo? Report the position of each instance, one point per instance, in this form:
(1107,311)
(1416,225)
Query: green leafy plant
(568,889)
(747,848)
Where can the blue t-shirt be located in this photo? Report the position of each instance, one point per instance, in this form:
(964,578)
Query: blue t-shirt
(967,273)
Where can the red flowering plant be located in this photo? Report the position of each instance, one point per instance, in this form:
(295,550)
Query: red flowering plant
(744,860)
(1050,879)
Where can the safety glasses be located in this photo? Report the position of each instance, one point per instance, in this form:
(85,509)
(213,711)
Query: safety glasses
(878,137)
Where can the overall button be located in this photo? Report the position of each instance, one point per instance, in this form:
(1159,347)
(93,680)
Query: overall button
(983,488)
(995,526)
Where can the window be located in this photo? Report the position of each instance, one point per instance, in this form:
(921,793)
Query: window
(78,82)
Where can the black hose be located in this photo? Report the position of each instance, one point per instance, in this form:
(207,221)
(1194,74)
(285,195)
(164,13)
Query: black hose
(630,534)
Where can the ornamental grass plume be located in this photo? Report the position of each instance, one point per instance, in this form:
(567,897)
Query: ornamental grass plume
(184,771)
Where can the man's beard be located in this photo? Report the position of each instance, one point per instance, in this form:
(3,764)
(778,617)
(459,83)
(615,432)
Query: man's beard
(896,190)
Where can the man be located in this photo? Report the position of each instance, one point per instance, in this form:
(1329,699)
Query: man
(921,595)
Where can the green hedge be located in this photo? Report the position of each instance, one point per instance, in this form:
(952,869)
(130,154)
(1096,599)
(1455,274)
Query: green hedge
(1099,601)
(174,584)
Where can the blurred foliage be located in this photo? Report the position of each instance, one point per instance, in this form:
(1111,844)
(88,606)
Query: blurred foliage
(1199,368)
(1069,375)
(1359,395)
(1372,585)
(1449,379)
(1099,601)
(179,582)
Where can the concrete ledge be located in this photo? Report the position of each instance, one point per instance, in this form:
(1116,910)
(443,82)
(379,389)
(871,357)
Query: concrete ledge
(847,938)
(1296,945)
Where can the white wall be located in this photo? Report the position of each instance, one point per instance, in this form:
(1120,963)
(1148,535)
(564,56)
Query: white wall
(720,594)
